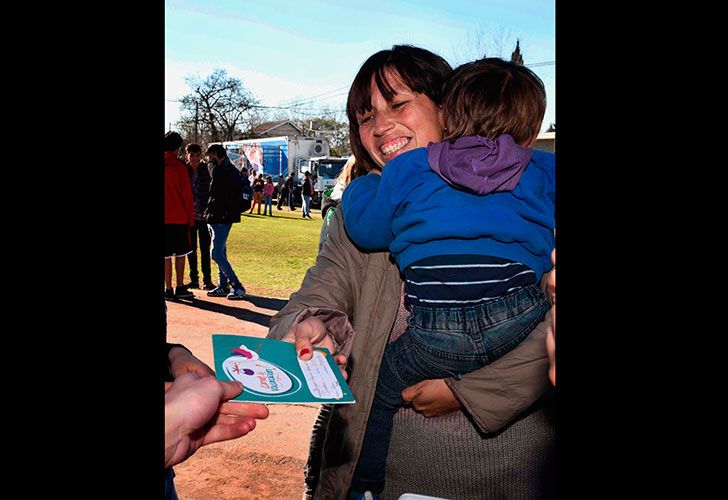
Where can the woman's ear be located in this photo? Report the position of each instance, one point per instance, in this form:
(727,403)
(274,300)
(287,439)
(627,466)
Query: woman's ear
(441,117)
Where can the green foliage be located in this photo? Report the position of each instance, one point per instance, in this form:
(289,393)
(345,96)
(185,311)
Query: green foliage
(271,255)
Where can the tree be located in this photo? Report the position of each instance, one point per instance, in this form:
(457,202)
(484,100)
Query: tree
(516,56)
(485,42)
(216,109)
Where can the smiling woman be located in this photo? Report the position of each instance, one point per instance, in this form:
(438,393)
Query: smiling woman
(395,110)
(487,434)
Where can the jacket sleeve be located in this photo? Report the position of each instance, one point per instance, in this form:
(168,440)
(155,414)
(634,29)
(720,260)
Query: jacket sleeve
(497,393)
(187,198)
(368,210)
(327,290)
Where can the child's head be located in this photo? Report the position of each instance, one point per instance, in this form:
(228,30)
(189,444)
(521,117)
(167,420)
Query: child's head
(490,97)
(269,179)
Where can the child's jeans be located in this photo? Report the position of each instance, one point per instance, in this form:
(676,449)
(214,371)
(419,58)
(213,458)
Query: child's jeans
(441,342)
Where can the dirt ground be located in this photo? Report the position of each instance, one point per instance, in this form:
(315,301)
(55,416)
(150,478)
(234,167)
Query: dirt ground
(267,463)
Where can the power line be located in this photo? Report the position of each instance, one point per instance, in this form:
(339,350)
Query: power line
(313,98)
(536,65)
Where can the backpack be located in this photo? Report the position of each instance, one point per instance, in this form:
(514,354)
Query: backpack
(246,195)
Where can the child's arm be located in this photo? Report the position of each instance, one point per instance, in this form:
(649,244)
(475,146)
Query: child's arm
(368,208)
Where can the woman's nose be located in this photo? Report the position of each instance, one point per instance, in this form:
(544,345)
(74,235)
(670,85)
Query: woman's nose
(382,123)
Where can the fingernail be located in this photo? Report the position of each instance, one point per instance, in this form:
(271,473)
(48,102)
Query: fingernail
(304,352)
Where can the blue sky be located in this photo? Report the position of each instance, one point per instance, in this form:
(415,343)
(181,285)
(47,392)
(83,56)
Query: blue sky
(286,51)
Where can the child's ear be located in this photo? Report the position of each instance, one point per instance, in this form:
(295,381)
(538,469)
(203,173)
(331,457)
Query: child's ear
(441,117)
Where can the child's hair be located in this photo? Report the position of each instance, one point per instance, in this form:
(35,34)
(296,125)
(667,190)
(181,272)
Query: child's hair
(193,148)
(490,97)
(269,178)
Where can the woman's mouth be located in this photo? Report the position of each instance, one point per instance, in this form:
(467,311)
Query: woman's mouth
(391,147)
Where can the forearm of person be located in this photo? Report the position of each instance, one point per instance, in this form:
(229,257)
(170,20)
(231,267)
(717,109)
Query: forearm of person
(497,393)
(326,290)
(368,212)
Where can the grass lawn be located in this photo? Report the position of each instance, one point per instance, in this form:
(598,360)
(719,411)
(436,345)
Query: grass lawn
(271,255)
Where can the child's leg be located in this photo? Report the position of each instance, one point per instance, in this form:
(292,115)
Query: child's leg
(402,366)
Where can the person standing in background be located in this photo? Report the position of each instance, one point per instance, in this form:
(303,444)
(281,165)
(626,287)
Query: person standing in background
(282,193)
(257,193)
(200,181)
(178,217)
(223,210)
(291,187)
(306,193)
(268,196)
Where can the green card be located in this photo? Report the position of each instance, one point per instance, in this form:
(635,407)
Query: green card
(272,373)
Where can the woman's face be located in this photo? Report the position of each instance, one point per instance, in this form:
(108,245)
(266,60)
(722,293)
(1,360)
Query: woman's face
(409,121)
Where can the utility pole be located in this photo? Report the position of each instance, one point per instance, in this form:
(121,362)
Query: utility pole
(196,105)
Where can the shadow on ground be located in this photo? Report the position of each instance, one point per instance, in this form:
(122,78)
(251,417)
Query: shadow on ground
(240,312)
(267,302)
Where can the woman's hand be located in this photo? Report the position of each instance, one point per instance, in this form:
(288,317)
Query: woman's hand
(310,333)
(431,397)
(183,361)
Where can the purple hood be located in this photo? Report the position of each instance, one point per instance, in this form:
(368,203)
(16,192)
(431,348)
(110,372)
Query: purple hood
(479,164)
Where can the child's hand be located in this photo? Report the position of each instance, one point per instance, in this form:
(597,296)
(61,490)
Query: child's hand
(431,397)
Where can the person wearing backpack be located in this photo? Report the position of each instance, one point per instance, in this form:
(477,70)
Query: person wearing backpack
(223,210)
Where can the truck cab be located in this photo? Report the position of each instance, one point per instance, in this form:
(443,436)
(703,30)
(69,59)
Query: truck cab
(324,172)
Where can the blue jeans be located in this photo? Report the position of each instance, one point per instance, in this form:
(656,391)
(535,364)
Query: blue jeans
(219,234)
(306,205)
(268,205)
(441,342)
(170,493)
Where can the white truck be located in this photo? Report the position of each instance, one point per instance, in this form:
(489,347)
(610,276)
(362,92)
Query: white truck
(324,171)
(277,156)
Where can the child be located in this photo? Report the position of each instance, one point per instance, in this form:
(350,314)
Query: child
(471,263)
(268,189)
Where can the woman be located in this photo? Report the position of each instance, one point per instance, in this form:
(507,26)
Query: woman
(487,435)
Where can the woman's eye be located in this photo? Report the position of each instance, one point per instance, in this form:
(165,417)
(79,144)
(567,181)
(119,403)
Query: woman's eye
(365,119)
(397,105)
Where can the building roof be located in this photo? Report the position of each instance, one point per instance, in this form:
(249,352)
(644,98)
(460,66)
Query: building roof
(268,127)
(546,136)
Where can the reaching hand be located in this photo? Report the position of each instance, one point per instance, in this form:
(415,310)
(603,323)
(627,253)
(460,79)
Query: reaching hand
(310,333)
(431,397)
(194,416)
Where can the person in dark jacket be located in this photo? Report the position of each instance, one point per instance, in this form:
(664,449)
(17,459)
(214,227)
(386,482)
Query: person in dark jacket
(223,210)
(200,180)
(306,193)
(282,192)
(291,188)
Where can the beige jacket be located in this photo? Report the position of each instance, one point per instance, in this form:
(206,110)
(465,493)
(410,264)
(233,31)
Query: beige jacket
(357,294)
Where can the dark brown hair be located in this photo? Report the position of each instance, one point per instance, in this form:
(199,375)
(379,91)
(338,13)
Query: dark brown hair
(217,150)
(172,141)
(490,97)
(421,70)
(193,148)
